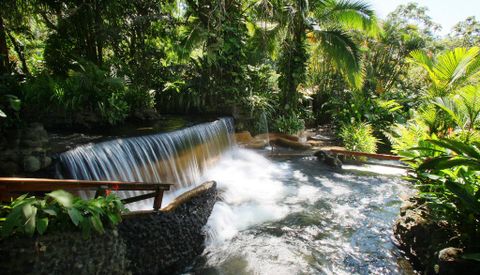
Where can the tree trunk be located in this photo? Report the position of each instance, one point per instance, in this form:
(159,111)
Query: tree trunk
(4,63)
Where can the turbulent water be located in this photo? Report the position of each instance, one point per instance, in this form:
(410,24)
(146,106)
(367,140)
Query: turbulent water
(296,216)
(289,216)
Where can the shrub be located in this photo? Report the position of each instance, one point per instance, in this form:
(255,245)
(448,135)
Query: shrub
(289,124)
(88,89)
(59,210)
(359,137)
(445,172)
(139,98)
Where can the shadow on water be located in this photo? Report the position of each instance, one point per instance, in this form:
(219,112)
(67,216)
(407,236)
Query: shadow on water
(323,222)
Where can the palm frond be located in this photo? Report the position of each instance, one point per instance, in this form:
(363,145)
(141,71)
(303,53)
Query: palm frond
(343,52)
(350,15)
(450,70)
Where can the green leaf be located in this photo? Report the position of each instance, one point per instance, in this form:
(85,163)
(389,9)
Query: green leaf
(114,218)
(64,198)
(97,224)
(472,256)
(75,216)
(13,220)
(433,163)
(457,147)
(50,211)
(30,213)
(42,225)
(2,114)
(468,199)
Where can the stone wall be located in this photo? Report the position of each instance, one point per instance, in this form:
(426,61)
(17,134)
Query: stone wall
(24,151)
(149,242)
(167,242)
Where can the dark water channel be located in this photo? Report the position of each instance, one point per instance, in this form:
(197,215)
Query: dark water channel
(295,216)
(63,139)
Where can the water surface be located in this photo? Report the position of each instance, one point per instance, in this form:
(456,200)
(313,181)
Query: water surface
(296,216)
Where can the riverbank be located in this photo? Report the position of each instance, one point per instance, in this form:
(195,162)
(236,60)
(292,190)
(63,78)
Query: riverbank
(433,247)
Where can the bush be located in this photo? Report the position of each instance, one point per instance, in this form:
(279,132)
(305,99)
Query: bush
(445,172)
(59,210)
(139,99)
(289,124)
(87,89)
(359,137)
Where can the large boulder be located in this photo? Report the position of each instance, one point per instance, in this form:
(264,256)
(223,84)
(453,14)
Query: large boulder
(433,247)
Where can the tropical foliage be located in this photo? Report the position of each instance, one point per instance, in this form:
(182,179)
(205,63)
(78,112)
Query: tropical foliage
(359,137)
(59,210)
(445,172)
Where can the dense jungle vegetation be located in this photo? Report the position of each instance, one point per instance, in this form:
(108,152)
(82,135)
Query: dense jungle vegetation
(393,84)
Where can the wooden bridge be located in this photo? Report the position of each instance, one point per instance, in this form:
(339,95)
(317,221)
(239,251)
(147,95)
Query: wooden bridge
(13,187)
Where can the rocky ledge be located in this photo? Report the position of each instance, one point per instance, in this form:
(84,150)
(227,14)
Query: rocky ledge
(433,247)
(148,242)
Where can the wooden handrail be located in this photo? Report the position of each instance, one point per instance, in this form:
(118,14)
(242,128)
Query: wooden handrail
(13,185)
(363,154)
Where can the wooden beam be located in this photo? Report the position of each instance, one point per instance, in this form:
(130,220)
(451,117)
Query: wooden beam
(34,184)
(157,203)
(139,198)
(14,185)
(363,154)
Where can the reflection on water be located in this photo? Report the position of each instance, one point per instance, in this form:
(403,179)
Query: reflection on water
(297,217)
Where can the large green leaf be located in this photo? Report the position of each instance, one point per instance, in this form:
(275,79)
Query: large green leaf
(433,163)
(42,225)
(75,216)
(97,224)
(64,198)
(461,192)
(472,256)
(457,147)
(30,214)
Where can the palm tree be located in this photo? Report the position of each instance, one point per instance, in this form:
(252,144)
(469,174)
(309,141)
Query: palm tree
(327,25)
(450,70)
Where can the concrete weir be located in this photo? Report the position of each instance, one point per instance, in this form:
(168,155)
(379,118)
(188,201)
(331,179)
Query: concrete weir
(146,242)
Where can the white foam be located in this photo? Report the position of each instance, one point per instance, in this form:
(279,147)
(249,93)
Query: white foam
(251,193)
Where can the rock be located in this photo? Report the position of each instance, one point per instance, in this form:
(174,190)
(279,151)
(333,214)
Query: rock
(9,154)
(257,144)
(46,162)
(431,246)
(8,168)
(35,132)
(328,159)
(32,143)
(450,254)
(31,164)
(146,114)
(243,137)
(450,261)
(280,141)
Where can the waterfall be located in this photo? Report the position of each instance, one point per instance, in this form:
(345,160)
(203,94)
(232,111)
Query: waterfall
(177,157)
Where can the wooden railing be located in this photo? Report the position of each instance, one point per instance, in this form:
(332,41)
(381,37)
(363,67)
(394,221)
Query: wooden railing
(11,187)
(363,154)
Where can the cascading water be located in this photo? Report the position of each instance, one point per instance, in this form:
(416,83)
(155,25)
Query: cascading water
(178,157)
(292,216)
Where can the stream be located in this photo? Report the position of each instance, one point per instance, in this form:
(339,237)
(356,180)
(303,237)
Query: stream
(297,216)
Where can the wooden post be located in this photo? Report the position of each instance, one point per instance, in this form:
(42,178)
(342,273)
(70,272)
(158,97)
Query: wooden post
(157,203)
